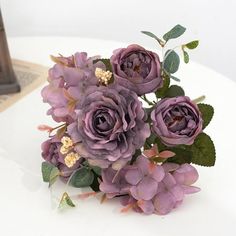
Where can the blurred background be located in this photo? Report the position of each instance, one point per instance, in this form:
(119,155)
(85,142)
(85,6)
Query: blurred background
(212,22)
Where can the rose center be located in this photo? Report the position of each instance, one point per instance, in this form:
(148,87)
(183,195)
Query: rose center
(180,120)
(136,64)
(103,122)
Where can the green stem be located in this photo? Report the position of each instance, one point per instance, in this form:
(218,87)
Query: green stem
(147,101)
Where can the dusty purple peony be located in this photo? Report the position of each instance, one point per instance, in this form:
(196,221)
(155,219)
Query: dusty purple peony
(51,153)
(110,126)
(68,80)
(137,69)
(176,120)
(150,188)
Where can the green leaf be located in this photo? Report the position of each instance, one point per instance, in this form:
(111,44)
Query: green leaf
(186,57)
(161,42)
(174,78)
(55,173)
(192,45)
(83,177)
(175,32)
(149,141)
(171,62)
(181,156)
(203,151)
(207,112)
(96,169)
(166,83)
(66,201)
(134,157)
(174,91)
(95,185)
(46,169)
(161,146)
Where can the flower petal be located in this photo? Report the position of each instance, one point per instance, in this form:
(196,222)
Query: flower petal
(164,202)
(147,188)
(133,176)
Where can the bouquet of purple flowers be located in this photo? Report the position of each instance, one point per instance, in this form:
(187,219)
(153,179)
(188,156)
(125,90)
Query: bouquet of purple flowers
(126,131)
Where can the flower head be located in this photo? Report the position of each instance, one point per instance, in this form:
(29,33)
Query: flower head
(68,80)
(176,120)
(110,126)
(150,188)
(137,69)
(66,163)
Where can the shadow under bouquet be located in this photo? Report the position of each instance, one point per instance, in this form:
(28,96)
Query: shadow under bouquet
(126,130)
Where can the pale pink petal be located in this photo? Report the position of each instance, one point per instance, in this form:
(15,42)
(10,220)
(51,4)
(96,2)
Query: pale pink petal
(152,152)
(190,189)
(45,128)
(166,154)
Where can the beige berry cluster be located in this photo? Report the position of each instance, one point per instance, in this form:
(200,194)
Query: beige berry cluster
(71,157)
(103,76)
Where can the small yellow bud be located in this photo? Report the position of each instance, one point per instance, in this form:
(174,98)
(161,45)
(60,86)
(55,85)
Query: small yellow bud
(63,150)
(71,159)
(67,142)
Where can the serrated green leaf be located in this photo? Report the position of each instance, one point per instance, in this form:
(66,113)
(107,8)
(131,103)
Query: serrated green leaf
(83,177)
(175,32)
(181,156)
(46,169)
(171,62)
(207,112)
(203,151)
(166,83)
(186,57)
(55,173)
(174,91)
(192,45)
(66,201)
(150,34)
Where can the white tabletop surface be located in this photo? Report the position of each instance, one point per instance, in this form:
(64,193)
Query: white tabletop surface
(25,203)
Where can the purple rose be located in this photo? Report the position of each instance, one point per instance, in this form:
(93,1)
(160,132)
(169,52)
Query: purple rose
(137,69)
(51,153)
(110,126)
(176,121)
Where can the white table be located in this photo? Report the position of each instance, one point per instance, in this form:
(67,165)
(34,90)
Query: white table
(25,200)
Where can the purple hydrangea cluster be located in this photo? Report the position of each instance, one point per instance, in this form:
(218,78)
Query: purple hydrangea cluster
(68,81)
(105,125)
(150,188)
